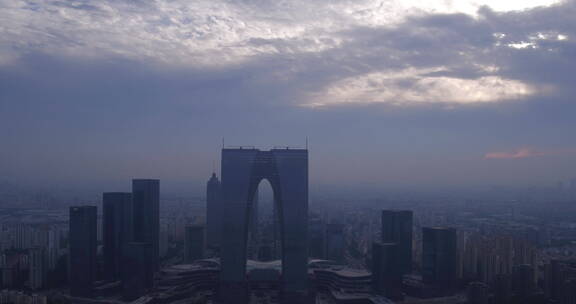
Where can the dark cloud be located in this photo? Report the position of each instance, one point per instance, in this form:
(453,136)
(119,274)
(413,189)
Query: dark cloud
(111,113)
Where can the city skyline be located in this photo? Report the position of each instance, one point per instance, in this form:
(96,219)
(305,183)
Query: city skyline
(287,152)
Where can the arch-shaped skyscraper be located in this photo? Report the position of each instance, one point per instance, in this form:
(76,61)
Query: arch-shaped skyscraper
(287,172)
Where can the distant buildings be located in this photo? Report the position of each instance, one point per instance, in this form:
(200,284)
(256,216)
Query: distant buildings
(82,250)
(439,258)
(316,237)
(335,242)
(483,257)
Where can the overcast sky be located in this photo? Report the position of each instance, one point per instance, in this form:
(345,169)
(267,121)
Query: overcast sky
(389,93)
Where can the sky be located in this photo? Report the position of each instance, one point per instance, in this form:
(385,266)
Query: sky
(435,93)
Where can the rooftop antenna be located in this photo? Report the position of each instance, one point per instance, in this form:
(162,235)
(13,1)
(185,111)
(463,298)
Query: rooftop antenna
(306,142)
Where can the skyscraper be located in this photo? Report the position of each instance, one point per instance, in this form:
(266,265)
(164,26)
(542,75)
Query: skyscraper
(146,210)
(194,243)
(397,228)
(118,230)
(82,250)
(287,172)
(213,212)
(439,258)
(386,271)
(138,272)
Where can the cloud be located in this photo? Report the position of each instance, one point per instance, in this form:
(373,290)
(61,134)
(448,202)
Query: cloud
(527,153)
(204,32)
(413,87)
(126,82)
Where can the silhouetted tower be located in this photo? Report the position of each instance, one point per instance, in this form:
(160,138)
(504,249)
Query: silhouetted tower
(83,242)
(138,272)
(439,258)
(287,172)
(213,212)
(397,228)
(117,230)
(194,243)
(386,271)
(146,207)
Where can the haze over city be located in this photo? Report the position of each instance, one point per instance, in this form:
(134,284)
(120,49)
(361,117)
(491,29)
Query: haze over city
(287,152)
